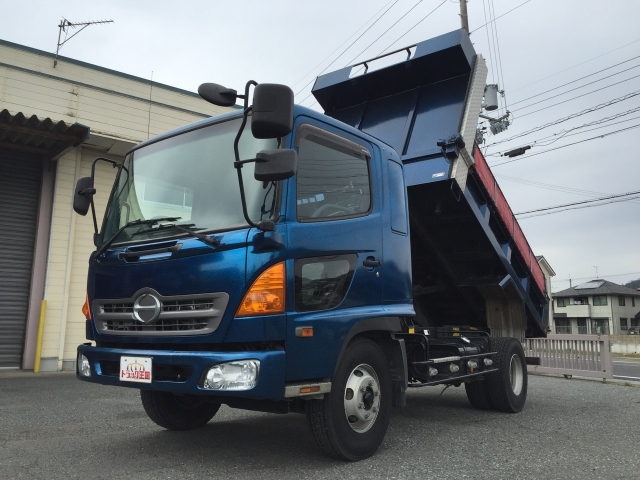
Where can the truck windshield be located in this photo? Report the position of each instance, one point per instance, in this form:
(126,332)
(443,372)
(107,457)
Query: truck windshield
(189,176)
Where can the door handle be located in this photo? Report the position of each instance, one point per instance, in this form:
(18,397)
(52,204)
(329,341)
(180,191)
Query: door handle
(371,262)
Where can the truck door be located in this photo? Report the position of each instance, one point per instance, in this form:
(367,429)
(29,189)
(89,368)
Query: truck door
(335,209)
(335,235)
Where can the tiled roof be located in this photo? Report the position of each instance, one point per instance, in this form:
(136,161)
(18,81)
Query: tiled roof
(607,288)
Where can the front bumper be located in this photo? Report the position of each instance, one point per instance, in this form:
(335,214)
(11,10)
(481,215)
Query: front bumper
(105,368)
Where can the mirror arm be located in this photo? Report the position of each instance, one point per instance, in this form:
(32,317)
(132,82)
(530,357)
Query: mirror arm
(265,226)
(92,191)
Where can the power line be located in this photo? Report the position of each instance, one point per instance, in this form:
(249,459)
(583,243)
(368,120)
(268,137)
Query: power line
(568,145)
(515,8)
(574,98)
(341,45)
(394,42)
(577,65)
(570,117)
(581,78)
(591,277)
(494,30)
(608,197)
(551,139)
(550,186)
(580,207)
(342,53)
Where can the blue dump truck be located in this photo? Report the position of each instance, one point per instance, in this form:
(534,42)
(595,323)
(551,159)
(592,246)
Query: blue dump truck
(282,260)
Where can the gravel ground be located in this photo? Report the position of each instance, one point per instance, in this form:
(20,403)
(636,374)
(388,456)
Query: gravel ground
(53,426)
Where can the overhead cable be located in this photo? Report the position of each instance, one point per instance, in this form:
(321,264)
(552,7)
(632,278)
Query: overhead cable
(482,26)
(619,200)
(577,65)
(551,139)
(342,44)
(567,145)
(342,53)
(609,197)
(570,117)
(582,78)
(573,98)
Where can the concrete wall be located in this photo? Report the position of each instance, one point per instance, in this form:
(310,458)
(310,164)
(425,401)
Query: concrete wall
(625,344)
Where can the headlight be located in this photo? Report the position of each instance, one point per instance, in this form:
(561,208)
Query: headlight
(84,367)
(239,375)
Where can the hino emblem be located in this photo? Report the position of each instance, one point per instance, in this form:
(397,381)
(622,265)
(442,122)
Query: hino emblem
(146,308)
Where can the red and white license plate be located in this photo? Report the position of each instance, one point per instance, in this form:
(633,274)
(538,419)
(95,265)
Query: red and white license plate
(135,369)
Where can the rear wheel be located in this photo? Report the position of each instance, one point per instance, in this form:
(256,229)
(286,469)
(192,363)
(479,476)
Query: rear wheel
(508,386)
(351,421)
(177,412)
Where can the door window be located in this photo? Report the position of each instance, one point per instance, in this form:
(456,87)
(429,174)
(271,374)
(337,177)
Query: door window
(333,180)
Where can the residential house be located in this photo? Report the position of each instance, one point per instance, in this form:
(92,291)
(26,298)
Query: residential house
(597,307)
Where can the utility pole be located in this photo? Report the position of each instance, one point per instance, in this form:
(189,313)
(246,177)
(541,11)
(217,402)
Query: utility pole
(569,280)
(464,18)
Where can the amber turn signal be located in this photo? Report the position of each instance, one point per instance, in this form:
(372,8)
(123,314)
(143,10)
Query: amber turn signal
(266,295)
(85,309)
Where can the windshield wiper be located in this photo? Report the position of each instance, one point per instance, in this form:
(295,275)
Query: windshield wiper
(212,242)
(133,223)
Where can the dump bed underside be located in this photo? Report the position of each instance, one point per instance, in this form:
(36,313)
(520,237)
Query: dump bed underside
(471,262)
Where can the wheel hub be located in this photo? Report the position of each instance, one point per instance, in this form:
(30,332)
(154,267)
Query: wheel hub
(362,398)
(516,375)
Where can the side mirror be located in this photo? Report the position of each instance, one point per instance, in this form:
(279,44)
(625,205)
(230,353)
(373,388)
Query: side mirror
(274,165)
(272,111)
(217,94)
(82,195)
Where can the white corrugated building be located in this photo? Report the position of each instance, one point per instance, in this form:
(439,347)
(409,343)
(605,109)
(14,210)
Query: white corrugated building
(53,123)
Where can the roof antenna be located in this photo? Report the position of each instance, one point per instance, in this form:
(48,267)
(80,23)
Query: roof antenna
(66,25)
(596,267)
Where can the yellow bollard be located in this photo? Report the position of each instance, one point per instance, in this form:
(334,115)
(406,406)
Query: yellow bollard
(43,309)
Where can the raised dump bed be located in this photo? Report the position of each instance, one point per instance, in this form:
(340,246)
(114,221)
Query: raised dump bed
(471,262)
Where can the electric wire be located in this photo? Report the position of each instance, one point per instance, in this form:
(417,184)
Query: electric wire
(393,43)
(341,45)
(577,65)
(551,139)
(569,117)
(577,88)
(343,52)
(574,98)
(553,187)
(609,197)
(484,7)
(580,207)
(482,26)
(582,78)
(567,145)
(591,277)
(494,29)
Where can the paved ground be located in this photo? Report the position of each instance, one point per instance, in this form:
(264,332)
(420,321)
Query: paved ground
(626,369)
(52,426)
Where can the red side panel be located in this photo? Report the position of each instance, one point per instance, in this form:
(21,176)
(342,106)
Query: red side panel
(508,219)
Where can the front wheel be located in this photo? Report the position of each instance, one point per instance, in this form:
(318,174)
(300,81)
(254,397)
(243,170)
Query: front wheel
(177,412)
(351,421)
(508,386)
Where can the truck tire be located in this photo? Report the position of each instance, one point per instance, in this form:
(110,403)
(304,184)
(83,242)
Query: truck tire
(508,386)
(479,395)
(350,422)
(177,412)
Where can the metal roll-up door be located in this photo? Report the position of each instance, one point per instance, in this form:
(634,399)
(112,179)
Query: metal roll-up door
(20,180)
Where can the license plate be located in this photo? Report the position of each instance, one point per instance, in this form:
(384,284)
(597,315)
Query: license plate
(135,369)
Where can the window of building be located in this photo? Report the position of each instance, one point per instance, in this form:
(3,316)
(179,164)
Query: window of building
(332,178)
(621,300)
(562,302)
(599,300)
(563,325)
(600,326)
(623,323)
(580,301)
(582,326)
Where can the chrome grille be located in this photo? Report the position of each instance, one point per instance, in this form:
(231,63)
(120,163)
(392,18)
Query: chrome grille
(162,325)
(186,314)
